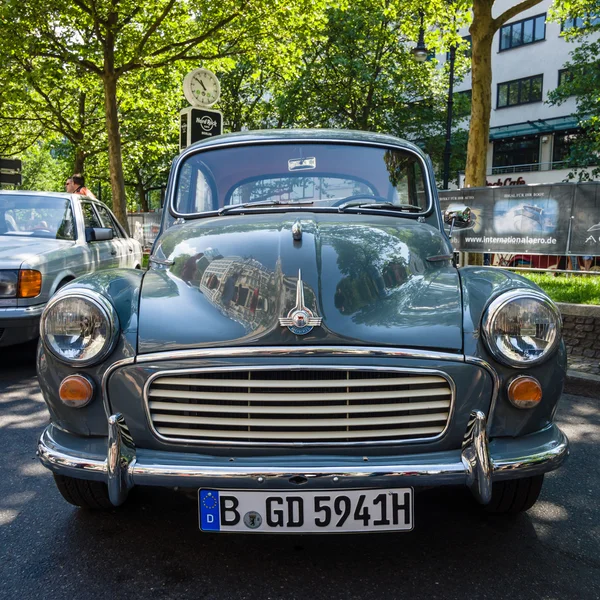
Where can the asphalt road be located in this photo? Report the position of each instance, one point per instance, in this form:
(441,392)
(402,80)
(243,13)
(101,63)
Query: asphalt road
(153,549)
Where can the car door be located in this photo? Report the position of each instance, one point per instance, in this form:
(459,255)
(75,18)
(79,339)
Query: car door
(103,253)
(121,242)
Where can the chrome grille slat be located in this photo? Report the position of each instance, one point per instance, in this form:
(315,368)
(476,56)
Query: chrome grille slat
(299,436)
(299,404)
(252,396)
(299,409)
(181,381)
(296,423)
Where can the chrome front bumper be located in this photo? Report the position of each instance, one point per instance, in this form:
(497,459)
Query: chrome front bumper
(477,464)
(20,323)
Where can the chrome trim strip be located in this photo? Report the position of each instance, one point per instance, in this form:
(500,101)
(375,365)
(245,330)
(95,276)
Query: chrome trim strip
(400,145)
(104,383)
(472,360)
(290,351)
(297,367)
(21,312)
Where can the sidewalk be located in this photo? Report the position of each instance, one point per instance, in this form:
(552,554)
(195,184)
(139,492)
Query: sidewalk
(583,376)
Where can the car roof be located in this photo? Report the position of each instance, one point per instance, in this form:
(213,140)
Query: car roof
(65,195)
(283,135)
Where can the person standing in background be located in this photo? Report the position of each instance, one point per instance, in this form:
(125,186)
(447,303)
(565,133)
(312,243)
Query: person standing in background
(75,185)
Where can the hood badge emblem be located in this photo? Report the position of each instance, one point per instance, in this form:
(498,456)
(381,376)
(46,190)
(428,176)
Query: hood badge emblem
(297,231)
(300,320)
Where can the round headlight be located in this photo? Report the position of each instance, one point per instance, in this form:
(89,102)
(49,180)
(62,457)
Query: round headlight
(521,328)
(79,328)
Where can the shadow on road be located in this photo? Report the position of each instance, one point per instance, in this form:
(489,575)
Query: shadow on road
(152,547)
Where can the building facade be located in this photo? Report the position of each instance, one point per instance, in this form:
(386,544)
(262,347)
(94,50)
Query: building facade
(529,138)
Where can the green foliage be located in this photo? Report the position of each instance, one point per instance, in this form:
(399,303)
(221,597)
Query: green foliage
(576,289)
(584,84)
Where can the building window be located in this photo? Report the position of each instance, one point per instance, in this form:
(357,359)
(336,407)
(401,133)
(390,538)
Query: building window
(520,91)
(561,149)
(521,154)
(564,76)
(467,48)
(523,32)
(579,22)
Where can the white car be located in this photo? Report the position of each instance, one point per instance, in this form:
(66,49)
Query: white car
(46,240)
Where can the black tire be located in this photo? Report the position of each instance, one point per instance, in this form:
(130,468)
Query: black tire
(83,493)
(515,496)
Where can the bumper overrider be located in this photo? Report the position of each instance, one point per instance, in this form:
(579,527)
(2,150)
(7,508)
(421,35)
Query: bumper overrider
(479,462)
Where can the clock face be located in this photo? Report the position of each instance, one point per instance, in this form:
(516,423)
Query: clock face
(201,87)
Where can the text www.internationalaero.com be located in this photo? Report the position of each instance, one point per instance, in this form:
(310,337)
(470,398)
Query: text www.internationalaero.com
(509,240)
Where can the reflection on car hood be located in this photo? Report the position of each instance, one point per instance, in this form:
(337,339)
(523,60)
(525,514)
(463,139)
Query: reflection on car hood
(231,279)
(15,249)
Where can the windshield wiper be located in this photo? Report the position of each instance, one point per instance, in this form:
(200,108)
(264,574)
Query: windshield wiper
(231,207)
(379,205)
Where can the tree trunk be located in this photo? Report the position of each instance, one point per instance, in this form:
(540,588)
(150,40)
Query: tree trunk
(115,157)
(482,35)
(78,166)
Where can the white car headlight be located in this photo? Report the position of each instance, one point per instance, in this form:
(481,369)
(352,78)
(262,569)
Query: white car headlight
(521,328)
(79,327)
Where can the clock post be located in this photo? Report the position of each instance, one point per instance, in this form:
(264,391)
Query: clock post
(197,122)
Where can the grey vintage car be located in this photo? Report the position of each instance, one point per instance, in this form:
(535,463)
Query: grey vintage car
(303,354)
(46,240)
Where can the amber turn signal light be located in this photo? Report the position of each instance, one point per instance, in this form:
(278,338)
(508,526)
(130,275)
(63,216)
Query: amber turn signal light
(525,392)
(76,391)
(30,283)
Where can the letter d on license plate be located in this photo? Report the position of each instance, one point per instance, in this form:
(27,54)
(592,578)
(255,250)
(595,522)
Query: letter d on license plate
(306,512)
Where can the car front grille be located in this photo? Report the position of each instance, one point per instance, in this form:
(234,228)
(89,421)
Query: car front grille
(299,406)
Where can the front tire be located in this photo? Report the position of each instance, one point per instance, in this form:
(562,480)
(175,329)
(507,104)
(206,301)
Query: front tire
(92,495)
(515,496)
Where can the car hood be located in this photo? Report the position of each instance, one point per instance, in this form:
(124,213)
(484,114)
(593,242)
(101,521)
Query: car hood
(373,280)
(15,250)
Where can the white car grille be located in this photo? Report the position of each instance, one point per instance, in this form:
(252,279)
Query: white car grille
(292,406)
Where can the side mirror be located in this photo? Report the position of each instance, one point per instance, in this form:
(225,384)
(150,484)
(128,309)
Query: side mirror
(460,217)
(98,234)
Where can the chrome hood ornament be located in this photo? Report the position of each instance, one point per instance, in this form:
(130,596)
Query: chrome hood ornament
(300,320)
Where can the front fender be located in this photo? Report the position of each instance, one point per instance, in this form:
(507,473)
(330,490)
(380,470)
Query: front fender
(481,285)
(122,288)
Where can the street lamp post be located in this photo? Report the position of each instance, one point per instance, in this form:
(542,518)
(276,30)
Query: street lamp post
(420,52)
(448,146)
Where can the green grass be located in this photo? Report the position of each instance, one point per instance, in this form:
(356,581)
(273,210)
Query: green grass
(145,258)
(576,289)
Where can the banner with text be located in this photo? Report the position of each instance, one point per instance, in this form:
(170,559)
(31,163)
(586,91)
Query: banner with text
(529,219)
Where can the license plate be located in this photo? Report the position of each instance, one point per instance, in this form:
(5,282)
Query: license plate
(306,512)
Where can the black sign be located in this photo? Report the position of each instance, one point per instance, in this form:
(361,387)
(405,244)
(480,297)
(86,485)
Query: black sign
(531,219)
(183,131)
(204,124)
(10,164)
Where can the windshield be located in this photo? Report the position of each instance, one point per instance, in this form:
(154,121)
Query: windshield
(36,216)
(314,175)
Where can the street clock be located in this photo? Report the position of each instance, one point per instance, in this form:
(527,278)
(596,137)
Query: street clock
(201,88)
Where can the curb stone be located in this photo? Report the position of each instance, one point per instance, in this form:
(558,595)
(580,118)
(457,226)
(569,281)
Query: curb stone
(582,384)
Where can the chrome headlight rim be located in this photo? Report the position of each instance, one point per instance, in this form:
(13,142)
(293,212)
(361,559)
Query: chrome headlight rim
(103,305)
(496,305)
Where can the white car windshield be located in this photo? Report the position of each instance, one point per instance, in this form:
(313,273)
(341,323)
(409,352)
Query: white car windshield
(36,216)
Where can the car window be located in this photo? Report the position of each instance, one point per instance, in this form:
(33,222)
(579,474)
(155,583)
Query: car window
(90,218)
(36,216)
(321,174)
(108,220)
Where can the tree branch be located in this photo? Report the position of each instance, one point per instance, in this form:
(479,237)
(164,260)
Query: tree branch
(513,11)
